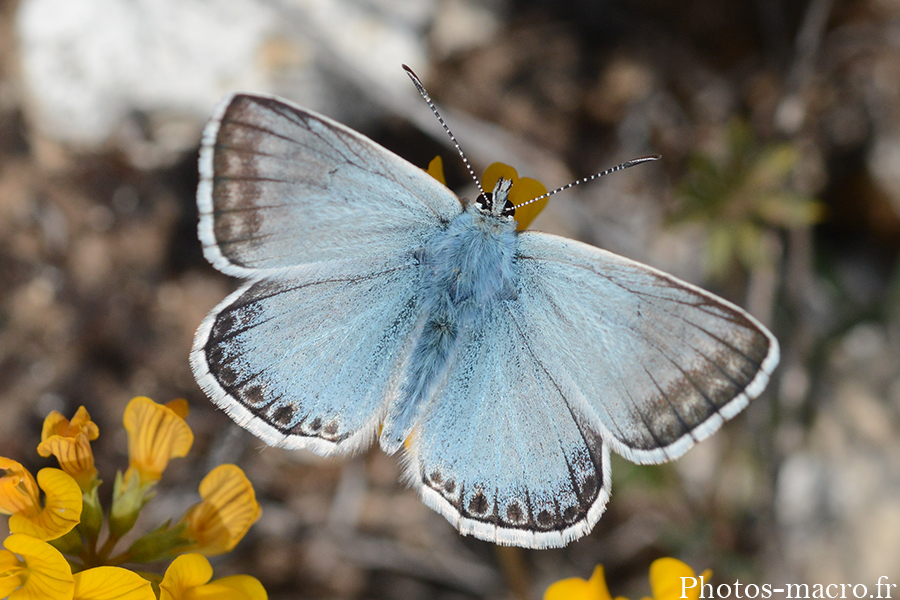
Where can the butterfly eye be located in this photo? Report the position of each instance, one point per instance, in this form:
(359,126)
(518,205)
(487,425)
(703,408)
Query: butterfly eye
(485,201)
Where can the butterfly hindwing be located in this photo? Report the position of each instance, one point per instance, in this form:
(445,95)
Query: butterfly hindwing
(308,359)
(658,363)
(282,186)
(500,453)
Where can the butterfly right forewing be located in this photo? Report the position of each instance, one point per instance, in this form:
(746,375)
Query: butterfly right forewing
(656,364)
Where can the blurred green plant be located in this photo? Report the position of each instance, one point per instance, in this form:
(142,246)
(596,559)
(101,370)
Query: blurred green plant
(741,196)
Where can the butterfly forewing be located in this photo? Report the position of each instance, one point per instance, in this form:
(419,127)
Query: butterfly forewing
(658,363)
(282,186)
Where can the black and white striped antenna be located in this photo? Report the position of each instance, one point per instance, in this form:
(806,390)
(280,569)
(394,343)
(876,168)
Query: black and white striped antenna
(628,163)
(418,83)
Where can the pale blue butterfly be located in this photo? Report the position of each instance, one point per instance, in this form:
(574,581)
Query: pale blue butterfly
(505,364)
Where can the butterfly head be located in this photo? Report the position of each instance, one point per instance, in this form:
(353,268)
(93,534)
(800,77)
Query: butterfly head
(497,202)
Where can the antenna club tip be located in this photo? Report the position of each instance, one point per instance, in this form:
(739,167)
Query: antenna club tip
(411,73)
(639,160)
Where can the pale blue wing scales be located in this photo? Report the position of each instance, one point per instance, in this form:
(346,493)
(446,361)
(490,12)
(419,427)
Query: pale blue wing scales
(659,364)
(499,452)
(310,359)
(282,186)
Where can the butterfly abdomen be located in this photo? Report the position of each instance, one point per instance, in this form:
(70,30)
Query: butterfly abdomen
(467,268)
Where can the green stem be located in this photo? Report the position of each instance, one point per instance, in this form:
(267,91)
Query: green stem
(118,560)
(107,547)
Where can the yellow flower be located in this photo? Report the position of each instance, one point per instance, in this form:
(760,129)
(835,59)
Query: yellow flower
(19,498)
(228,509)
(111,583)
(42,572)
(523,189)
(576,588)
(671,579)
(70,442)
(19,492)
(156,434)
(436,169)
(187,577)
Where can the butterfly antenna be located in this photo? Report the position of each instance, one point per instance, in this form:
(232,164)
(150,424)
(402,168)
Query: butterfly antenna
(624,165)
(418,83)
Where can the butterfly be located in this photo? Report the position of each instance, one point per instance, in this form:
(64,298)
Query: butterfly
(504,365)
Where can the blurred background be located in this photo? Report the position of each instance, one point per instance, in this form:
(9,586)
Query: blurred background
(779,188)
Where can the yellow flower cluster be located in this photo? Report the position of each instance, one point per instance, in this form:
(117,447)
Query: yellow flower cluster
(54,551)
(667,576)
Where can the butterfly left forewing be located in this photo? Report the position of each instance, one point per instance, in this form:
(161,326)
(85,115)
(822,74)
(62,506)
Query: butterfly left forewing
(657,363)
(500,453)
(282,186)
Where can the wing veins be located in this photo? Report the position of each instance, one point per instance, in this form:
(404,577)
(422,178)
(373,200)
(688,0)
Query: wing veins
(688,430)
(346,279)
(556,386)
(665,355)
(255,127)
(222,178)
(722,341)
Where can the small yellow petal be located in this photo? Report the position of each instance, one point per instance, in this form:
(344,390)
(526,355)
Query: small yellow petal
(573,588)
(49,576)
(187,577)
(13,573)
(179,406)
(54,424)
(236,587)
(156,434)
(524,190)
(228,509)
(70,443)
(186,572)
(250,586)
(597,585)
(436,169)
(576,588)
(666,580)
(19,493)
(57,424)
(111,583)
(61,512)
(493,174)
